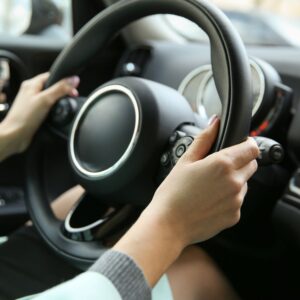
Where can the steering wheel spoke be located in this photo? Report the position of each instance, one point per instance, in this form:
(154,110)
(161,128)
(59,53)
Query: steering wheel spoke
(92,220)
(178,144)
(62,115)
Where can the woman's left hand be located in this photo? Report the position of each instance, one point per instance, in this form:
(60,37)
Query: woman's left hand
(30,109)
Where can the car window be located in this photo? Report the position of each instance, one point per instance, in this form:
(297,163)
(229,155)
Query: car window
(41,18)
(259,22)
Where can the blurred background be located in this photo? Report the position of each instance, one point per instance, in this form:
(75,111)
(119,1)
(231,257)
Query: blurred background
(50,18)
(282,7)
(259,22)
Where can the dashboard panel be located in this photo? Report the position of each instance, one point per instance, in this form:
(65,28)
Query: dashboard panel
(199,89)
(187,68)
(276,114)
(170,63)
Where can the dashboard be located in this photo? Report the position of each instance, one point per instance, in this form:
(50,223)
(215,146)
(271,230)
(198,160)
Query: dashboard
(186,68)
(199,89)
(275,114)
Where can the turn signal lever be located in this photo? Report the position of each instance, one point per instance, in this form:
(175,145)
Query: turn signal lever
(271,152)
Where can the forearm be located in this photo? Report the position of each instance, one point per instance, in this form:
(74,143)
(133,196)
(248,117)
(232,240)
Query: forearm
(141,257)
(8,141)
(29,110)
(62,205)
(153,245)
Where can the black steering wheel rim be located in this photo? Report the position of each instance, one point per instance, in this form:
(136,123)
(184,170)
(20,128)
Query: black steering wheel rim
(231,73)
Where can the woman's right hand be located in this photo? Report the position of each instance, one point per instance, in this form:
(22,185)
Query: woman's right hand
(200,197)
(203,195)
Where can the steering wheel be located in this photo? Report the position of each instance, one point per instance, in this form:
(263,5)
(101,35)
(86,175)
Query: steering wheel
(119,134)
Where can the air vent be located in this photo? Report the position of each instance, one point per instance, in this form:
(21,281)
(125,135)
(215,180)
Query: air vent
(134,62)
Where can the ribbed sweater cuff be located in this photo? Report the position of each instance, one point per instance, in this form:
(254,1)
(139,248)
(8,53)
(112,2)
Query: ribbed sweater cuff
(125,275)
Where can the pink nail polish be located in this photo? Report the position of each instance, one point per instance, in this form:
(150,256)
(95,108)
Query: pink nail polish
(74,81)
(212,120)
(74,93)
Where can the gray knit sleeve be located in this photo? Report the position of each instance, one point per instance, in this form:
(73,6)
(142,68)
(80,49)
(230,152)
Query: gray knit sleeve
(125,275)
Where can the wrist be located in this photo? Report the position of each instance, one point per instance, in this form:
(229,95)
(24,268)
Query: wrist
(9,142)
(152,244)
(159,223)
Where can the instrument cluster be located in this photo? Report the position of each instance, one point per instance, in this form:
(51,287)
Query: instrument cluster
(270,97)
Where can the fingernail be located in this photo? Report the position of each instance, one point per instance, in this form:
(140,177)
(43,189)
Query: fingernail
(212,120)
(3,97)
(74,81)
(253,140)
(74,93)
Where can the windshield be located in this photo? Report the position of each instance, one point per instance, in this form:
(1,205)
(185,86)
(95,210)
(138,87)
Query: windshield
(259,22)
(41,18)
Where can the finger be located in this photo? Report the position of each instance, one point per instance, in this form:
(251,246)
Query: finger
(241,196)
(203,142)
(248,171)
(243,153)
(64,87)
(41,77)
(38,82)
(3,98)
(243,192)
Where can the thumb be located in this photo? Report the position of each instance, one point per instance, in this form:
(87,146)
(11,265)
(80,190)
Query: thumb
(60,89)
(203,142)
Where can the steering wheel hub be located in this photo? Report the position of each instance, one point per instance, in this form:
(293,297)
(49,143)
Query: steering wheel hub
(105,131)
(119,134)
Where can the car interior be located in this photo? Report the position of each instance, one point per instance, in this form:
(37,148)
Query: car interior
(134,49)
